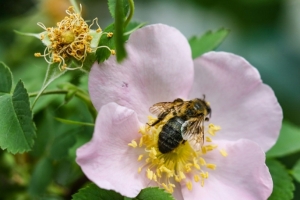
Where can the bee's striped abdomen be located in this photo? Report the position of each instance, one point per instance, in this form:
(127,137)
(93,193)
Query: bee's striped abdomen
(170,136)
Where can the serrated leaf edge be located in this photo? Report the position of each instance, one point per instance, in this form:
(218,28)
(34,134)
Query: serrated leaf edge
(11,76)
(20,82)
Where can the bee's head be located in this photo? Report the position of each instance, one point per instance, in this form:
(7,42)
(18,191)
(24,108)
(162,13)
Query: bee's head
(203,107)
(198,107)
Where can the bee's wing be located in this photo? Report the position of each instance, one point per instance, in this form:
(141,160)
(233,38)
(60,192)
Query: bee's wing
(163,108)
(193,131)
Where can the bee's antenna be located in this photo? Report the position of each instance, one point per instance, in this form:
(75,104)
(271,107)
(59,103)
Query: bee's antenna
(203,96)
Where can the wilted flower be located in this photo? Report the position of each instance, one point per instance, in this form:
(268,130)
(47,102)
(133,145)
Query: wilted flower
(72,38)
(123,153)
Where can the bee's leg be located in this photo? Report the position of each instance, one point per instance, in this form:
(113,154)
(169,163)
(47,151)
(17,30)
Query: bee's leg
(156,122)
(160,118)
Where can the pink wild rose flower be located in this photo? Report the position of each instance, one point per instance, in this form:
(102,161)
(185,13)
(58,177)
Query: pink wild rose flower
(123,154)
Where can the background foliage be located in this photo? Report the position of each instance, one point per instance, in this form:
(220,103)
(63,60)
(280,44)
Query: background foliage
(265,32)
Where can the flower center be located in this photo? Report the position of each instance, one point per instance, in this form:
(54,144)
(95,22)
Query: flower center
(175,166)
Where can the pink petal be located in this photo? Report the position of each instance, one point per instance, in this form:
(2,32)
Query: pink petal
(177,194)
(107,160)
(241,175)
(158,68)
(241,104)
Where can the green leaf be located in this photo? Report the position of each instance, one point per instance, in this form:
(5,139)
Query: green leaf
(283,186)
(153,193)
(66,121)
(207,42)
(61,145)
(288,141)
(46,41)
(112,7)
(41,177)
(45,129)
(66,172)
(53,72)
(88,62)
(103,53)
(81,139)
(5,79)
(119,31)
(131,27)
(296,171)
(93,192)
(17,130)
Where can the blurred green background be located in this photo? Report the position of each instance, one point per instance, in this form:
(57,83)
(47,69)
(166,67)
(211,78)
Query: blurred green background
(264,32)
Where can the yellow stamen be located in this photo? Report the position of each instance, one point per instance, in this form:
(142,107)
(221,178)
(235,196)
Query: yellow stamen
(208,139)
(167,171)
(141,142)
(211,166)
(196,163)
(153,153)
(140,157)
(188,167)
(212,129)
(196,178)
(203,149)
(203,175)
(202,161)
(223,152)
(154,177)
(202,182)
(176,166)
(181,175)
(133,144)
(149,174)
(169,187)
(206,175)
(210,147)
(189,185)
(110,34)
(158,173)
(37,55)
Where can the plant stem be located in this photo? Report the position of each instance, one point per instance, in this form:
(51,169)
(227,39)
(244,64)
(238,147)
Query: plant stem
(33,94)
(80,94)
(131,12)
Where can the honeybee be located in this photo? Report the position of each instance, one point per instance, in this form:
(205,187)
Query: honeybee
(185,122)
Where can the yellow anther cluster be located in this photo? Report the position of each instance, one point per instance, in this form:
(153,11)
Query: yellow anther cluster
(70,38)
(175,166)
(109,34)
